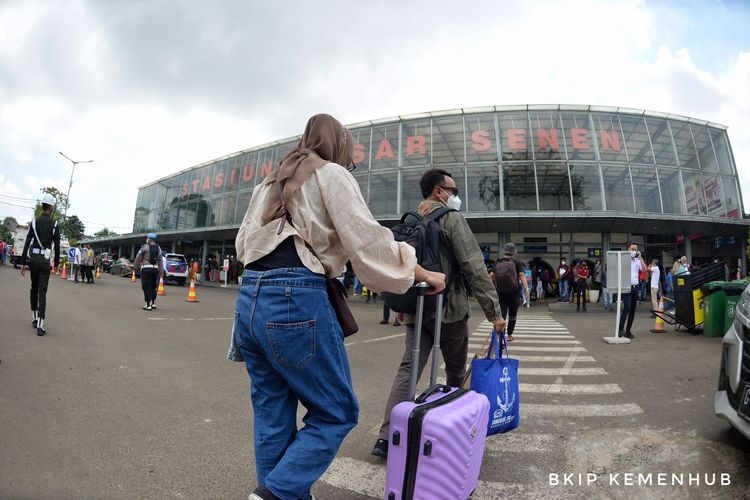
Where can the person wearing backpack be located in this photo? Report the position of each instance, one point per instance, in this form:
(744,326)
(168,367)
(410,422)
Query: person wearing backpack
(150,263)
(509,277)
(461,259)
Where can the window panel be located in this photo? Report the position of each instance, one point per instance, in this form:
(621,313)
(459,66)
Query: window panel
(586,185)
(362,148)
(264,165)
(226,214)
(636,139)
(714,198)
(519,186)
(609,136)
(215,217)
(383,193)
(683,141)
(731,200)
(694,197)
(669,182)
(415,143)
(553,186)
(721,146)
(661,141)
(483,189)
(578,137)
(385,146)
(546,138)
(480,138)
(202,210)
(283,149)
(618,190)
(243,201)
(361,179)
(232,171)
(448,140)
(516,141)
(411,195)
(646,189)
(703,145)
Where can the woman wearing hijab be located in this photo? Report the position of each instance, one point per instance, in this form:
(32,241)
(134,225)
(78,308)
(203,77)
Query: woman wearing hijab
(304,222)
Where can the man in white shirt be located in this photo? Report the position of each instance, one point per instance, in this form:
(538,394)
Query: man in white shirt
(630,301)
(655,280)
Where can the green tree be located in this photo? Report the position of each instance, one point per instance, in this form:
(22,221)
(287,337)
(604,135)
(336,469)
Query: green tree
(105,233)
(73,228)
(60,206)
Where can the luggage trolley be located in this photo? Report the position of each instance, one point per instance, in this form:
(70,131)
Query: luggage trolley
(688,297)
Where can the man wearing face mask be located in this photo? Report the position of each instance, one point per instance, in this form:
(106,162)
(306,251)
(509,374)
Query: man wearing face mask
(463,263)
(563,271)
(630,300)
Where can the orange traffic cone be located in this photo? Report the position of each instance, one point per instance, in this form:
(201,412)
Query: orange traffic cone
(191,293)
(132,277)
(659,322)
(161,291)
(64,272)
(98,273)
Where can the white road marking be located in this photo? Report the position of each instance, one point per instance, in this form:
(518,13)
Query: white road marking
(368,479)
(541,410)
(570,388)
(513,348)
(554,359)
(562,372)
(518,442)
(384,338)
(561,342)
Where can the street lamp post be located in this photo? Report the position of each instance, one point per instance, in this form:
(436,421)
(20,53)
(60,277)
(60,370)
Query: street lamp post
(65,215)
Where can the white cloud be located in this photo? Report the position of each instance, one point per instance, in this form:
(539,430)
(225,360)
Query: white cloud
(146,89)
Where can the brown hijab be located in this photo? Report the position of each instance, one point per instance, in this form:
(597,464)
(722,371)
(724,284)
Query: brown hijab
(325,140)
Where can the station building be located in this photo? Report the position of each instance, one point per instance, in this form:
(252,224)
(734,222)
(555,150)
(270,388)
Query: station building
(557,180)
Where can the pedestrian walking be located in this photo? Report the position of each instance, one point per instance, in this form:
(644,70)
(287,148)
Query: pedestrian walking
(42,241)
(304,222)
(630,300)
(582,284)
(509,277)
(387,316)
(75,262)
(655,280)
(563,270)
(3,251)
(462,262)
(149,262)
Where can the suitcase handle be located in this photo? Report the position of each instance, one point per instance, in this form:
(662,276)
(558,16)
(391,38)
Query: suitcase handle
(432,390)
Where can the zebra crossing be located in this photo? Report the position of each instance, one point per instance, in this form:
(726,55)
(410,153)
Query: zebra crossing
(558,379)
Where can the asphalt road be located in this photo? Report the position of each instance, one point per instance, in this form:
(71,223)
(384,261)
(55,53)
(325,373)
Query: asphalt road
(116,402)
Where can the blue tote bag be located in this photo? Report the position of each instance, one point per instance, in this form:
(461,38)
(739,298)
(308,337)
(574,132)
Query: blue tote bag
(497,378)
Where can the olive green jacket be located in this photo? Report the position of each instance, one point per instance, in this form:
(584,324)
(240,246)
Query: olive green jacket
(467,254)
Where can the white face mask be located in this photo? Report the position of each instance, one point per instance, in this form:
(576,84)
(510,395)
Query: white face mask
(453,202)
(632,254)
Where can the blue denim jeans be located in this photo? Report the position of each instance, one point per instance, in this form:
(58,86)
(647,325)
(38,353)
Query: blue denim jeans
(293,349)
(606,297)
(563,295)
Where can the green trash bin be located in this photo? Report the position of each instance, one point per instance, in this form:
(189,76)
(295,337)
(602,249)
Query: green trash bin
(734,290)
(714,308)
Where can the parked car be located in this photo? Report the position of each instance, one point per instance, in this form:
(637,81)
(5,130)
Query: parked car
(732,399)
(175,268)
(122,267)
(105,261)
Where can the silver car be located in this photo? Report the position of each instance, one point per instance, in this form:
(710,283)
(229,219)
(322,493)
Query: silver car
(732,399)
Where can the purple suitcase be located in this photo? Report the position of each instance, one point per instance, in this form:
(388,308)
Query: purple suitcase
(436,442)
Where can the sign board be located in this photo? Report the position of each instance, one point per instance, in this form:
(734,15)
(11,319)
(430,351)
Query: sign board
(72,254)
(595,253)
(226,264)
(623,258)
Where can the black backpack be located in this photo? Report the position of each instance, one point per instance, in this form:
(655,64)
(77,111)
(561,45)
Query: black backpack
(153,254)
(506,277)
(423,233)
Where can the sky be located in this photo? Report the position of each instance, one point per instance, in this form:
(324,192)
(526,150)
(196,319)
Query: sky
(147,88)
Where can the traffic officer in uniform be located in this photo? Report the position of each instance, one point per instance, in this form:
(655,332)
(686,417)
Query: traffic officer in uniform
(149,262)
(37,251)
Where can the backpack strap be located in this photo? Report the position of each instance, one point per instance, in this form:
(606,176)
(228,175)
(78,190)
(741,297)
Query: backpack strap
(436,214)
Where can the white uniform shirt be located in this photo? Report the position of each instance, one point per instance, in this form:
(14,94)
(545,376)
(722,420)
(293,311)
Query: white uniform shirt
(655,277)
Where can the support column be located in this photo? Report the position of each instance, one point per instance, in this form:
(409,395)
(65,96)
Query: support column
(132,251)
(119,251)
(743,256)
(689,249)
(223,248)
(205,251)
(606,244)
(502,239)
(174,247)
(571,248)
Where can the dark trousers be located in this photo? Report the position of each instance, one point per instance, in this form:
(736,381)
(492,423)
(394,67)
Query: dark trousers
(90,274)
(509,303)
(581,287)
(386,313)
(629,303)
(454,344)
(149,282)
(40,272)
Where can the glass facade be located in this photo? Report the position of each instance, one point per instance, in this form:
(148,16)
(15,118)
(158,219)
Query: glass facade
(504,160)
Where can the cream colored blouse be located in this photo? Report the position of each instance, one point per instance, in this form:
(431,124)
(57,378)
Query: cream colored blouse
(330,214)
